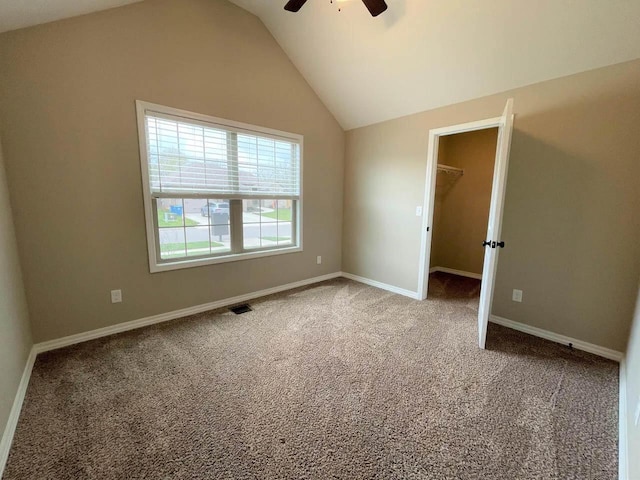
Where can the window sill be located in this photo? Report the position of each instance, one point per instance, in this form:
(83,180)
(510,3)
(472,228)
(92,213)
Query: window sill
(200,262)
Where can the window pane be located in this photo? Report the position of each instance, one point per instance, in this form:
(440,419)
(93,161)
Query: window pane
(172,244)
(279,211)
(251,223)
(198,241)
(192,227)
(194,210)
(218,212)
(170,212)
(267,223)
(285,210)
(251,234)
(250,211)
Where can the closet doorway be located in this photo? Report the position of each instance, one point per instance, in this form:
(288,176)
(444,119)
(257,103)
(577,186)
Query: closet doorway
(464,200)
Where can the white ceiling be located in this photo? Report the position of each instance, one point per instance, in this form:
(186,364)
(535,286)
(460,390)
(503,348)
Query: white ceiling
(423,54)
(16,14)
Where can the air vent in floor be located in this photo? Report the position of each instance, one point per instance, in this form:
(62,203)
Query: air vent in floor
(238,309)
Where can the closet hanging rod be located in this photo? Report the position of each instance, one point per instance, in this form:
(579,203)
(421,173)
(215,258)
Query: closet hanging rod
(448,169)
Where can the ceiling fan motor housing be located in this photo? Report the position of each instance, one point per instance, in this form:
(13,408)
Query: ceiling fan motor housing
(375,7)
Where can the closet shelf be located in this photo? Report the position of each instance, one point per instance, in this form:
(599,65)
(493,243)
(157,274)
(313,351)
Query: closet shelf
(450,170)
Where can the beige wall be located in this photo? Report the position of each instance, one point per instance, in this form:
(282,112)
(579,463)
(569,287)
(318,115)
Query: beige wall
(571,222)
(67,118)
(633,395)
(15,334)
(462,201)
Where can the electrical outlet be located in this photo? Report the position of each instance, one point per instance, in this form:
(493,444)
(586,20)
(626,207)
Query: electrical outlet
(319,259)
(116,296)
(636,418)
(517,295)
(418,211)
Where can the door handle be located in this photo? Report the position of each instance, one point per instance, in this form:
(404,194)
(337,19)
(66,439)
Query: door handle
(493,244)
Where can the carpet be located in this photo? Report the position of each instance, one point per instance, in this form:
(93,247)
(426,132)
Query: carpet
(335,380)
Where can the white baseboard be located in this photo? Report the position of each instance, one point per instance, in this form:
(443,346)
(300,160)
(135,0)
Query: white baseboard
(623,465)
(185,312)
(383,286)
(164,317)
(556,337)
(453,271)
(14,414)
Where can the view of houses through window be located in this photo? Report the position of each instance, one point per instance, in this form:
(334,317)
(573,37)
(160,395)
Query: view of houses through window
(216,188)
(189,227)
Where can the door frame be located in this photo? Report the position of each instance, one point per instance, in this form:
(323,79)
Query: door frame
(430,191)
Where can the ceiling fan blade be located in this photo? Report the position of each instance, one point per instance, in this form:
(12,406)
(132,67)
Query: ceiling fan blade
(375,7)
(294,5)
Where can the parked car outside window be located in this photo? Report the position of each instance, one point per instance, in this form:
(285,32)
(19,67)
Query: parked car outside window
(212,207)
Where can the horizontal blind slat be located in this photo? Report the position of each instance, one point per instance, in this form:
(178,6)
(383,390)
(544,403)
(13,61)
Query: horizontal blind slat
(193,157)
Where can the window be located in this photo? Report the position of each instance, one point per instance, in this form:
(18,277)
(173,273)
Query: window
(216,190)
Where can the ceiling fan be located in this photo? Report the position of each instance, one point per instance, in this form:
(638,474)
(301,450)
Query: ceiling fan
(375,7)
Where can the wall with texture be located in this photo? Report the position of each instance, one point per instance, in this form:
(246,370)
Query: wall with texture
(68,122)
(15,333)
(570,223)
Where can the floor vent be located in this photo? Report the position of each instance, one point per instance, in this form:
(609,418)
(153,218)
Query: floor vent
(244,308)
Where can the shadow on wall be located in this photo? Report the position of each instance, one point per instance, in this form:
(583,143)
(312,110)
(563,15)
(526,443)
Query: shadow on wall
(394,13)
(568,223)
(545,202)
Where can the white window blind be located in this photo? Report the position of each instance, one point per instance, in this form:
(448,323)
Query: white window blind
(189,157)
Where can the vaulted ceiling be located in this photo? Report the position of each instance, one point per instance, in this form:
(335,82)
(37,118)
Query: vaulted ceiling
(423,54)
(419,54)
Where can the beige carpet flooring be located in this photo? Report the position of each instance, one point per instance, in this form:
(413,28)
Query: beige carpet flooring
(337,380)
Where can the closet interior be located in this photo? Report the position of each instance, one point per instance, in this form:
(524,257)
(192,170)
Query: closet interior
(463,195)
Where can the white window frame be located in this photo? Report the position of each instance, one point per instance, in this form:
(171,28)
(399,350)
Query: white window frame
(154,264)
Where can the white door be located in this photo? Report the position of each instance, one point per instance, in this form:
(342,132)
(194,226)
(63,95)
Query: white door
(495,221)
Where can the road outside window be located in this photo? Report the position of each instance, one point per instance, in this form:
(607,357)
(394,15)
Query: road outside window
(216,190)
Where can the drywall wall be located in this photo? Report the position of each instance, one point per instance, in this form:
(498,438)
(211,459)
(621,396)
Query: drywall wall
(633,395)
(462,201)
(15,334)
(570,225)
(68,122)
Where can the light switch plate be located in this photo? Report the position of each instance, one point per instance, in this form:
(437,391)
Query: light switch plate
(418,211)
(517,295)
(116,296)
